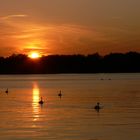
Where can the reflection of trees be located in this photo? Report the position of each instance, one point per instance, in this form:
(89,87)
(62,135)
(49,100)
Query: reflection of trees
(115,62)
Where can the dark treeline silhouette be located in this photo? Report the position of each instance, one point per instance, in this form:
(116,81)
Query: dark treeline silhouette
(112,63)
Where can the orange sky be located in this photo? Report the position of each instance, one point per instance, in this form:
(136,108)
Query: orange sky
(69,26)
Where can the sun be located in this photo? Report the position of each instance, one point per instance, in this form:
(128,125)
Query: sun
(34,55)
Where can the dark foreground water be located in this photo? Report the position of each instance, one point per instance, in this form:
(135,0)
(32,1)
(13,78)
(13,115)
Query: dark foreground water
(72,117)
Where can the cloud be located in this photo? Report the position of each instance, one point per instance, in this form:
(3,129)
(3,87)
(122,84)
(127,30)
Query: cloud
(7,50)
(13,16)
(28,35)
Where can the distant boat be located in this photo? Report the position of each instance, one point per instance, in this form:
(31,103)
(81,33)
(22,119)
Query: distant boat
(6,91)
(60,94)
(41,101)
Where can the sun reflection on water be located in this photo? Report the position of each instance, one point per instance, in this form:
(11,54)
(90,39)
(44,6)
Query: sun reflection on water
(35,99)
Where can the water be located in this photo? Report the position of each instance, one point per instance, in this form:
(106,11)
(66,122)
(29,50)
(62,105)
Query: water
(72,117)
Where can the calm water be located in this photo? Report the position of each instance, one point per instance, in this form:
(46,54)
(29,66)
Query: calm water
(73,116)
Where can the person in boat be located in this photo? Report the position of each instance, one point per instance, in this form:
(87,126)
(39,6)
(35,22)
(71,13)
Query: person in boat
(41,101)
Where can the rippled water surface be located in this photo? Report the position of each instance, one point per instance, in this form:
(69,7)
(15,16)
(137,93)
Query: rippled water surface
(73,116)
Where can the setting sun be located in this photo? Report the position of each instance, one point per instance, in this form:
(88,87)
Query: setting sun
(34,55)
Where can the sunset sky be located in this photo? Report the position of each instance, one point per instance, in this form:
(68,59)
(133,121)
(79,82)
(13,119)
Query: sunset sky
(69,26)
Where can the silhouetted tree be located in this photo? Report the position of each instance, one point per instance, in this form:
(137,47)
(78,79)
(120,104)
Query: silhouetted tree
(114,62)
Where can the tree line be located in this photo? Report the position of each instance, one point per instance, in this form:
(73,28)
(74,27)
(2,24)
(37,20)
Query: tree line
(52,64)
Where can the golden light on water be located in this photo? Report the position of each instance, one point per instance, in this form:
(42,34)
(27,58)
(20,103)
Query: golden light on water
(35,99)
